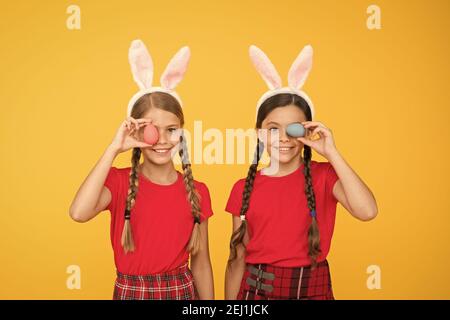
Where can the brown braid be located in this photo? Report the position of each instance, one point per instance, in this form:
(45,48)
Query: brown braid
(127,235)
(313,231)
(192,196)
(238,236)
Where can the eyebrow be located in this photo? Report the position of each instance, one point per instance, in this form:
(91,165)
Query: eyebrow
(273,122)
(172,125)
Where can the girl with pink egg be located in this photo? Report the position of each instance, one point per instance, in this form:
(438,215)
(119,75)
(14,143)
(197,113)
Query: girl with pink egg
(283,219)
(159,216)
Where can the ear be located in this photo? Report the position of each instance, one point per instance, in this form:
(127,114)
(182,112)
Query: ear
(141,64)
(265,67)
(300,68)
(176,69)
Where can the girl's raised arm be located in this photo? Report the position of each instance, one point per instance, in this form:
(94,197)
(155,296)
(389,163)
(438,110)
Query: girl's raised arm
(350,190)
(92,197)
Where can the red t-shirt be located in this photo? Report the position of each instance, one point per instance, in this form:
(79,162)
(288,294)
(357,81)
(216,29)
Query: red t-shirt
(278,216)
(161,222)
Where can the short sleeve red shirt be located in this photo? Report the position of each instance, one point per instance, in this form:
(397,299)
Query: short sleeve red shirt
(161,222)
(278,216)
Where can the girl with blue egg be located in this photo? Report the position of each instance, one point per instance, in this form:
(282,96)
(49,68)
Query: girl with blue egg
(283,222)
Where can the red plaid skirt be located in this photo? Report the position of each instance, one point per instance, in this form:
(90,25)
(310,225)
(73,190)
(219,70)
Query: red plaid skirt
(176,284)
(299,283)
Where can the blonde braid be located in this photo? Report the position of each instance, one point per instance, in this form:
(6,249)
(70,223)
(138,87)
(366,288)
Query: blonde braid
(192,196)
(127,235)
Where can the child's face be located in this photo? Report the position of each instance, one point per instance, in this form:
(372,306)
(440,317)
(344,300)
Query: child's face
(169,129)
(278,144)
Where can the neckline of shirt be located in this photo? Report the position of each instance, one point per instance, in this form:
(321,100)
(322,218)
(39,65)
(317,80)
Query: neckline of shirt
(296,171)
(142,177)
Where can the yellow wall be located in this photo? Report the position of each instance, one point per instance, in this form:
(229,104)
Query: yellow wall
(383,92)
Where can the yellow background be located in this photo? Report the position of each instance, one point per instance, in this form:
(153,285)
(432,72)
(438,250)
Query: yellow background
(385,94)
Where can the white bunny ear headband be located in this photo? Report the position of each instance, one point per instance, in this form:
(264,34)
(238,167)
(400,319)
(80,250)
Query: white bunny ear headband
(298,73)
(142,69)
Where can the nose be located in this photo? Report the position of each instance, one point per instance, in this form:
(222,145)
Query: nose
(162,136)
(283,135)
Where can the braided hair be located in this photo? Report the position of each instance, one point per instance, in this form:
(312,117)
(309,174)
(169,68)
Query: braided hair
(168,103)
(127,235)
(192,196)
(280,100)
(238,236)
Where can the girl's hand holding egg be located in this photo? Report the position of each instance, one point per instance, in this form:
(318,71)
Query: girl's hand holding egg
(126,139)
(324,145)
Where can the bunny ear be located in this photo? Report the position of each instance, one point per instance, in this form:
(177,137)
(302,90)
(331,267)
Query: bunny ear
(176,69)
(300,68)
(141,64)
(265,67)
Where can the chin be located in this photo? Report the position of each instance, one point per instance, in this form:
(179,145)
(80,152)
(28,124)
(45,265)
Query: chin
(156,159)
(285,159)
(160,161)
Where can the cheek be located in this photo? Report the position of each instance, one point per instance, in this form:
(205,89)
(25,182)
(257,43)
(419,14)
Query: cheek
(271,141)
(268,144)
(273,137)
(146,153)
(174,137)
(299,152)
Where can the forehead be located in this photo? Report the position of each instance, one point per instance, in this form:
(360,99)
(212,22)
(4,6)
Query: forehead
(285,115)
(161,117)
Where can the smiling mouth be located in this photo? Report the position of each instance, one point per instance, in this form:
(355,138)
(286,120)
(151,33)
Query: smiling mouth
(284,149)
(162,150)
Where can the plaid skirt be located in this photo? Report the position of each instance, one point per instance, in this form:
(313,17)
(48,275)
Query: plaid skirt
(176,284)
(265,282)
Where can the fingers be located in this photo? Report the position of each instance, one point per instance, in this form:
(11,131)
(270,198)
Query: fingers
(321,131)
(135,124)
(139,126)
(313,124)
(140,144)
(315,127)
(126,123)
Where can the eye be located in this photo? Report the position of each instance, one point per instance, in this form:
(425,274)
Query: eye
(172,129)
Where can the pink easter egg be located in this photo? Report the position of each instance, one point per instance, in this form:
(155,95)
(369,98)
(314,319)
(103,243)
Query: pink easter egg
(151,134)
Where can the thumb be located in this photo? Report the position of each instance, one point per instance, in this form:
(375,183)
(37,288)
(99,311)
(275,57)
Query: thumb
(140,144)
(305,141)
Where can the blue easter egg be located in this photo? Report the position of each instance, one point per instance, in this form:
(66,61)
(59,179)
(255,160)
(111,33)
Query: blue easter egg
(296,130)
